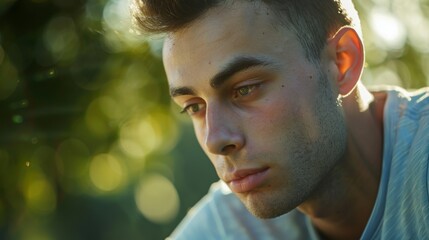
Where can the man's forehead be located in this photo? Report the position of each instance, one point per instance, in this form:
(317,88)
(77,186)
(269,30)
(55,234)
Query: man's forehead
(226,22)
(205,47)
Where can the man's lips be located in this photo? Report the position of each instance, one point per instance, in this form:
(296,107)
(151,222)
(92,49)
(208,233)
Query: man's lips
(246,180)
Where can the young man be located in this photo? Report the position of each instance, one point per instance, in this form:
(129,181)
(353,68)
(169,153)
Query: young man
(273,90)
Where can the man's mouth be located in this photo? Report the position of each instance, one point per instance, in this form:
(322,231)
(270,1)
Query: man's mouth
(246,180)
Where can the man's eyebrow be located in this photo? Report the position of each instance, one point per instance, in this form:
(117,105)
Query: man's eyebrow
(236,65)
(233,67)
(179,91)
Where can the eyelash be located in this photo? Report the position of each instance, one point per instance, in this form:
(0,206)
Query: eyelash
(250,90)
(187,108)
(236,93)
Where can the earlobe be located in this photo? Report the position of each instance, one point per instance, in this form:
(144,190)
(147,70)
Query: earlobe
(349,58)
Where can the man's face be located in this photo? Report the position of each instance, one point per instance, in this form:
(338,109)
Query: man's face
(266,117)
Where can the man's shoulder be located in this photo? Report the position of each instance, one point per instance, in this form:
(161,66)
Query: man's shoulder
(414,98)
(221,215)
(401,210)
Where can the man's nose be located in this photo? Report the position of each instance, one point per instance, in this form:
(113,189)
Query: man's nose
(223,131)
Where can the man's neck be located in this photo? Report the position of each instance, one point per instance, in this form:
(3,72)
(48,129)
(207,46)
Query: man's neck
(341,205)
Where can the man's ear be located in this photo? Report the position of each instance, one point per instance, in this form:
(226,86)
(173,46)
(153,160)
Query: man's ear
(349,58)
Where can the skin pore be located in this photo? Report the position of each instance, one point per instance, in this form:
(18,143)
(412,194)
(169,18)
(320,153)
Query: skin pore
(256,102)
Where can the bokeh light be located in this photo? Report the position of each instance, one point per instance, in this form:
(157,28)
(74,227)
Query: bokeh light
(142,135)
(415,17)
(8,77)
(157,198)
(120,35)
(389,30)
(39,193)
(61,38)
(106,172)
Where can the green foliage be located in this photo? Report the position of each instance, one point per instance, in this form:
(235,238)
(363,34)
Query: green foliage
(87,143)
(89,146)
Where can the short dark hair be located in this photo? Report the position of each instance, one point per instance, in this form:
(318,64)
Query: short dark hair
(313,21)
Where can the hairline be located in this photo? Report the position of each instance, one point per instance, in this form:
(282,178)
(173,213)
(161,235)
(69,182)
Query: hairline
(278,21)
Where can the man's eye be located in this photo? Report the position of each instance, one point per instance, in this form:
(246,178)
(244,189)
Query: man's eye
(193,108)
(245,90)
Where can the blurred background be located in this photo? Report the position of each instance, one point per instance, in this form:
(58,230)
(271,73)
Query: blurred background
(91,146)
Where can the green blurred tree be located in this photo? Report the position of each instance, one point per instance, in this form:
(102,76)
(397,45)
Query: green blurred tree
(84,125)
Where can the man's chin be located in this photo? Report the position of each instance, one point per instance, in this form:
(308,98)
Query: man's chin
(267,213)
(267,209)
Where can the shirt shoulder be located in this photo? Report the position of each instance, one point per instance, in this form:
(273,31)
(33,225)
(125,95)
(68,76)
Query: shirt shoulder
(402,206)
